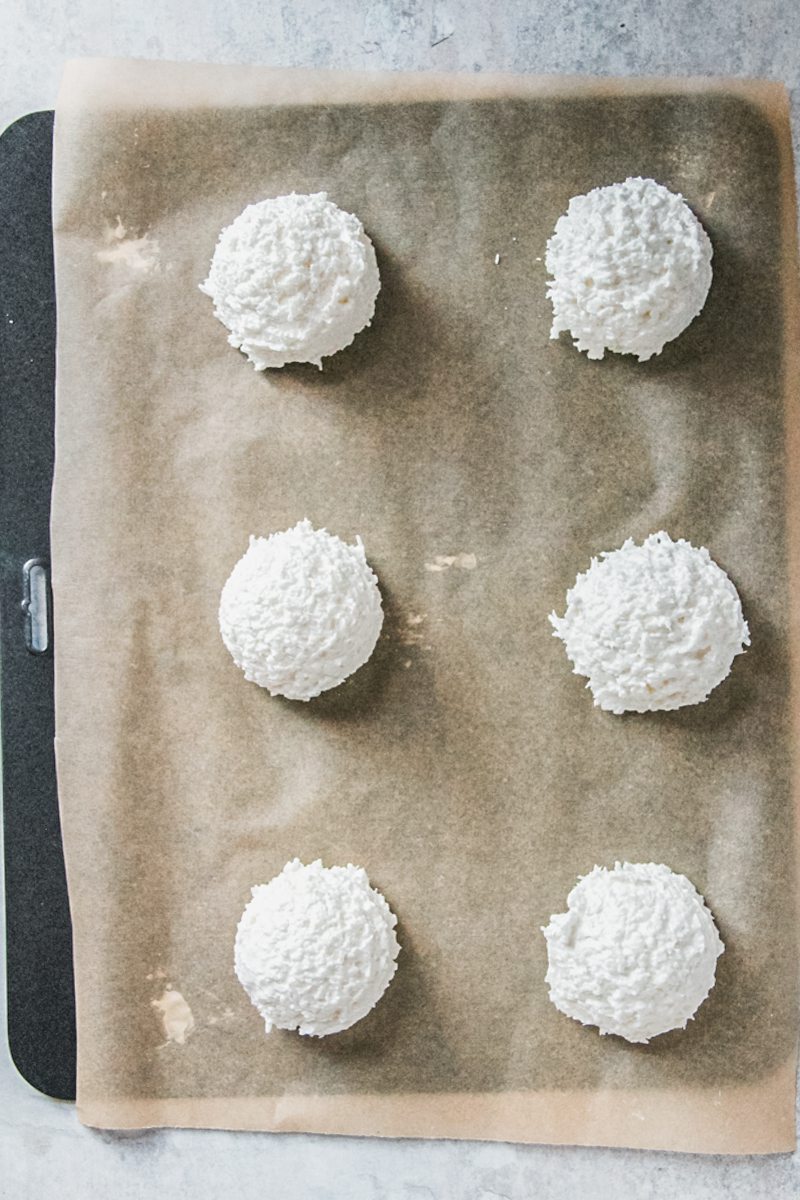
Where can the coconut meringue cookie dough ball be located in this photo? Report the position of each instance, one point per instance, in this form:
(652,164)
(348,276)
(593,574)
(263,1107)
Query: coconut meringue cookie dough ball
(631,268)
(652,627)
(294,279)
(315,949)
(634,954)
(301,611)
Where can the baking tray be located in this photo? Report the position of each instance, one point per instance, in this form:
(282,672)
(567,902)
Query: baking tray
(41,1003)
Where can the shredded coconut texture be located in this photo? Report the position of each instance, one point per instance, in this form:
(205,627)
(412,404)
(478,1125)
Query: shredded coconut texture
(301,611)
(316,948)
(635,953)
(655,626)
(294,279)
(631,268)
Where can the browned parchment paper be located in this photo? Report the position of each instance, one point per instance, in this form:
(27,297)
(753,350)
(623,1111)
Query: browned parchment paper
(464,766)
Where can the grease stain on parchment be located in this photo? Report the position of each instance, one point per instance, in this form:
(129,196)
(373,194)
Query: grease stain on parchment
(139,254)
(443,562)
(176,1016)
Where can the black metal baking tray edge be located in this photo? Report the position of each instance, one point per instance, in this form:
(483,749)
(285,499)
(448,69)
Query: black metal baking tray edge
(41,1002)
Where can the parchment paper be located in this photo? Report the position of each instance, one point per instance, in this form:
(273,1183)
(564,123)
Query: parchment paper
(464,766)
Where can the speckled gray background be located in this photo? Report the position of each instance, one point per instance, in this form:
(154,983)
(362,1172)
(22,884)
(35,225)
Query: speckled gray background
(43,1150)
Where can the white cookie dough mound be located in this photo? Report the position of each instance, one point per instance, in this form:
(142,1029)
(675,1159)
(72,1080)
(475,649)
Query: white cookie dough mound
(631,268)
(301,611)
(655,626)
(294,279)
(634,954)
(315,948)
